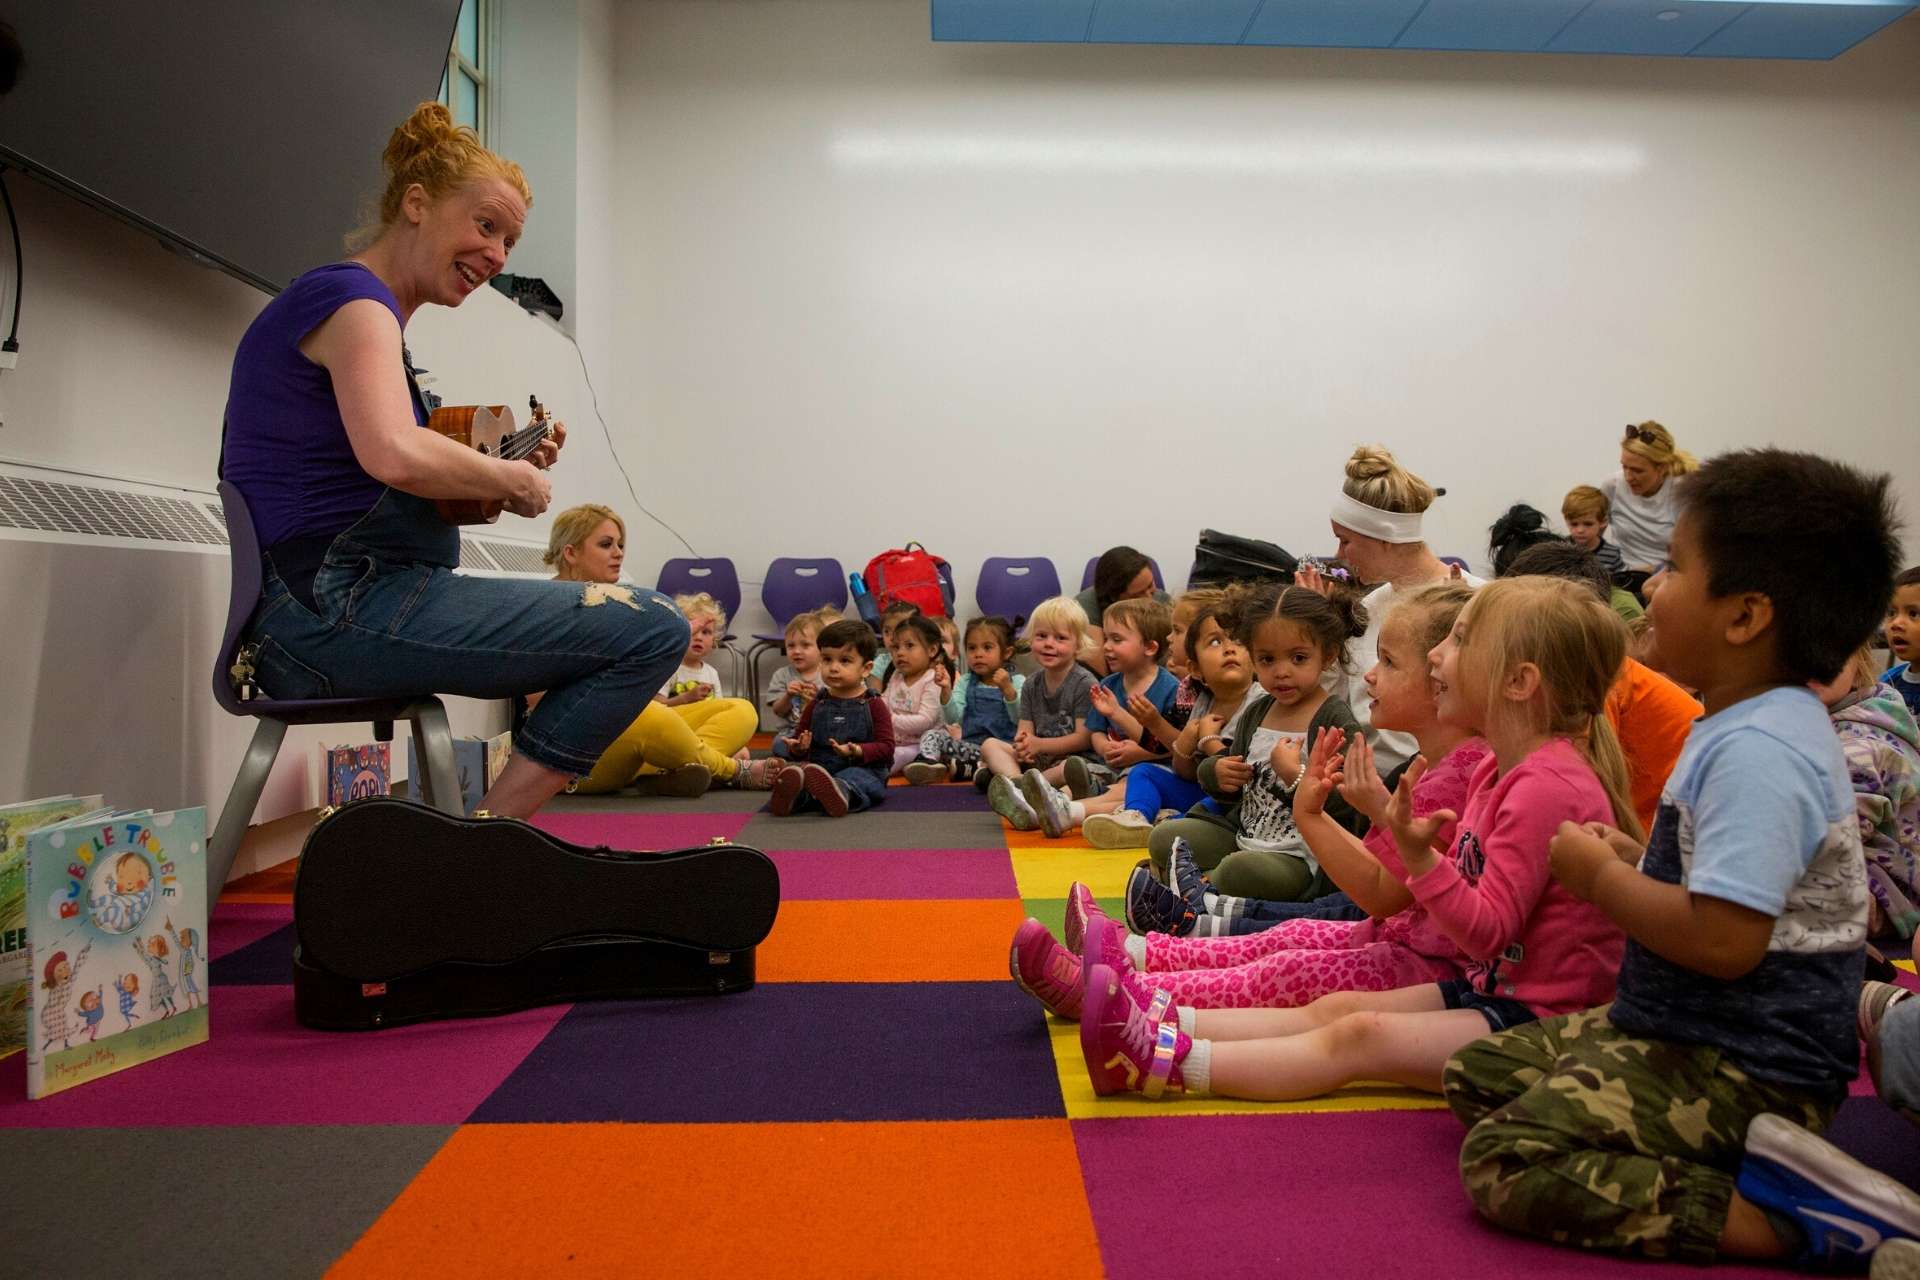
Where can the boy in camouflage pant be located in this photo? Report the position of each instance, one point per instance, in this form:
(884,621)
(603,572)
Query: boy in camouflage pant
(1676,1121)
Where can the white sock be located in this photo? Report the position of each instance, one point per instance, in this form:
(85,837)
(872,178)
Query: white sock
(1136,945)
(1076,812)
(1189,1017)
(1196,1069)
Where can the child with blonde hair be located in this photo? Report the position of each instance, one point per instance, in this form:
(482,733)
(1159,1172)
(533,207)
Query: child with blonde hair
(723,725)
(1527,667)
(1054,707)
(798,680)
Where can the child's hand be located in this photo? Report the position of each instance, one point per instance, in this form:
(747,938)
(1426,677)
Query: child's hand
(1624,846)
(943,680)
(1360,783)
(701,692)
(798,689)
(801,743)
(1003,681)
(1104,702)
(953,731)
(1122,753)
(1230,773)
(1321,777)
(1310,577)
(1578,854)
(1285,760)
(1022,742)
(851,750)
(1415,836)
(1209,727)
(1141,707)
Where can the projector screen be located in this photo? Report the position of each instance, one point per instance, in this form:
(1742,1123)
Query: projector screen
(246,132)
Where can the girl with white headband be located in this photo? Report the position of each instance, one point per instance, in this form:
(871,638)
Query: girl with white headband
(1376,519)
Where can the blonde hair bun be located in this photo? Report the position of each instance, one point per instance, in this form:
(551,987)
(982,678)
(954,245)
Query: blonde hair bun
(1376,478)
(429,150)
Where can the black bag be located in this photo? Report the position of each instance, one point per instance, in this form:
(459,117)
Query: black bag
(1220,558)
(403,913)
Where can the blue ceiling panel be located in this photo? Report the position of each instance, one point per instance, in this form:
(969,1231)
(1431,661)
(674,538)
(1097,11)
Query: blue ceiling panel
(1664,28)
(1051,21)
(1171,21)
(1360,24)
(1799,30)
(1513,26)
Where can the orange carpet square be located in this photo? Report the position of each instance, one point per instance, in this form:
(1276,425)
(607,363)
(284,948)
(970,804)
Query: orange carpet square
(974,1198)
(951,940)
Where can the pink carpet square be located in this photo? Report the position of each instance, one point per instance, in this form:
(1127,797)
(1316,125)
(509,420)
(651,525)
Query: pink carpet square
(260,1067)
(650,832)
(240,924)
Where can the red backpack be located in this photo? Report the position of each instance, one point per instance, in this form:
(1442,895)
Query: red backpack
(912,575)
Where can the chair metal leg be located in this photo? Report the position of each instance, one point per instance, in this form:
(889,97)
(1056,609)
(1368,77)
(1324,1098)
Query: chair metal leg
(759,650)
(433,741)
(242,799)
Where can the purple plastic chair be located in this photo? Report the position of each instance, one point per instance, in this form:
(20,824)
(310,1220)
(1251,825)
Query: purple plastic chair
(1456,560)
(718,578)
(426,713)
(1086,579)
(1011,587)
(794,587)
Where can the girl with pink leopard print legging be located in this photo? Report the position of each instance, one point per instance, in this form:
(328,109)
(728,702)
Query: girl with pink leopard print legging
(1297,962)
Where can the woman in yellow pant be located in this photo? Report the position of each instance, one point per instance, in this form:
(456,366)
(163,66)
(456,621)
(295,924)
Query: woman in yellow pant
(687,739)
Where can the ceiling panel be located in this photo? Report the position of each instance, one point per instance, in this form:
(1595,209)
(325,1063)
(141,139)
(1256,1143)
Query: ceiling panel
(1799,30)
(1522,26)
(1364,24)
(1664,28)
(1171,21)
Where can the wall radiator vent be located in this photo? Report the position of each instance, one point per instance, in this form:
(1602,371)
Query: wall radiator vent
(48,506)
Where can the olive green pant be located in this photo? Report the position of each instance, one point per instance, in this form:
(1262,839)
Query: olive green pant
(1244,873)
(1581,1134)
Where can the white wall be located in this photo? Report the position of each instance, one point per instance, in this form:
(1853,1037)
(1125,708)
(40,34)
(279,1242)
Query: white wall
(1048,298)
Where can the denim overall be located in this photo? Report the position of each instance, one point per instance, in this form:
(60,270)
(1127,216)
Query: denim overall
(986,715)
(391,618)
(848,720)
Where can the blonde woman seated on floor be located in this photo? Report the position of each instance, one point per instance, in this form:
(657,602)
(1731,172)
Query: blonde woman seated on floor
(687,739)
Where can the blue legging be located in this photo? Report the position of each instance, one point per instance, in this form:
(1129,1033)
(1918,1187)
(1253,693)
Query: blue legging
(1153,787)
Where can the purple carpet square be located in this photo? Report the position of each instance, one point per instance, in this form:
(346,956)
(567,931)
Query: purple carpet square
(239,924)
(1391,1176)
(938,799)
(267,961)
(894,873)
(792,1052)
(652,832)
(1874,1134)
(262,1067)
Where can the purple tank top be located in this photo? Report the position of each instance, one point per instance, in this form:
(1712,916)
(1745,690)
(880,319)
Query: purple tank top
(286,448)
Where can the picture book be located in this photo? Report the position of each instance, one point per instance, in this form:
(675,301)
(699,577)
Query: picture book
(16,821)
(117,940)
(354,773)
(476,761)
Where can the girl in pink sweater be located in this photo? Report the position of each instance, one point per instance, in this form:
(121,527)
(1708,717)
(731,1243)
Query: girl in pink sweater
(1527,667)
(913,686)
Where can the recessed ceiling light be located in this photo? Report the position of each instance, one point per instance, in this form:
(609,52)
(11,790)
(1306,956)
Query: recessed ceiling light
(1667,15)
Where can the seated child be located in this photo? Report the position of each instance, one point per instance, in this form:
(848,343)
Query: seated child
(913,687)
(845,735)
(1669,1124)
(1882,745)
(796,683)
(1254,849)
(1650,714)
(1903,637)
(1123,816)
(1054,706)
(1133,640)
(1527,668)
(890,619)
(724,726)
(1400,688)
(984,703)
(1586,511)
(949,644)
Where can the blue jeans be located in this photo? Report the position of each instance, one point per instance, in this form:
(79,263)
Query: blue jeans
(1900,1058)
(391,619)
(846,720)
(1261,915)
(1153,787)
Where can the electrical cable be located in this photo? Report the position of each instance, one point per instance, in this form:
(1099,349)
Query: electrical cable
(608,431)
(13,225)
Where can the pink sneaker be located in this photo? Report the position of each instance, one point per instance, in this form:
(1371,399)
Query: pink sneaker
(1045,970)
(1127,1048)
(1080,906)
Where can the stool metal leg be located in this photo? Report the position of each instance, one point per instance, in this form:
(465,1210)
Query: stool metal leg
(244,797)
(433,738)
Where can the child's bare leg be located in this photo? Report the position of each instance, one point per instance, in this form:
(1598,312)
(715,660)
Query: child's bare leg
(1057,775)
(1406,1048)
(1747,1233)
(998,757)
(1263,1024)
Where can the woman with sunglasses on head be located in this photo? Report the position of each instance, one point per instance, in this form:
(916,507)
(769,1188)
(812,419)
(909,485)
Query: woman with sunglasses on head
(1645,504)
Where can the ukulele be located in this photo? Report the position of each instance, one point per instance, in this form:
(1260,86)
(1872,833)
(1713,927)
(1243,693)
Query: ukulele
(489,429)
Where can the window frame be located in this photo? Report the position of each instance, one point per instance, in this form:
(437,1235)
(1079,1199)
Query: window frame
(480,74)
